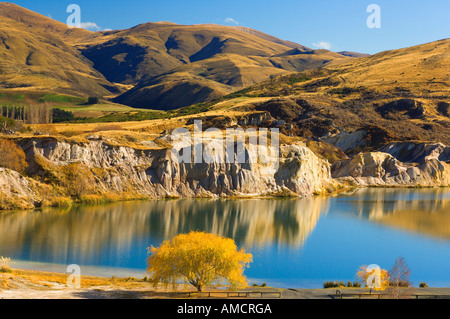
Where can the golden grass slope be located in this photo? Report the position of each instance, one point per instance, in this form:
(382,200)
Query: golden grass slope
(153,55)
(398,95)
(40,23)
(422,69)
(152,49)
(34,55)
(163,60)
(419,71)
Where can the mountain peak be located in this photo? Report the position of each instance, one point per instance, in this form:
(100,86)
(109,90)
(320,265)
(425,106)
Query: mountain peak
(38,22)
(166,22)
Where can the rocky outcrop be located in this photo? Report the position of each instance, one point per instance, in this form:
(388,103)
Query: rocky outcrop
(383,169)
(157,173)
(412,152)
(224,122)
(96,166)
(17,191)
(348,140)
(370,137)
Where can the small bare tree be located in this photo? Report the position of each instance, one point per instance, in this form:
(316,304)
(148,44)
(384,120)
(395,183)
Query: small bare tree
(400,286)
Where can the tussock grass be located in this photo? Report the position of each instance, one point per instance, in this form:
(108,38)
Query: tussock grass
(46,279)
(5,264)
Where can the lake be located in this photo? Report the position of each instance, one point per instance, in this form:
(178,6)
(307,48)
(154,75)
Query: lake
(296,243)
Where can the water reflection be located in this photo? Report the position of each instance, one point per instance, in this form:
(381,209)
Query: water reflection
(93,232)
(423,211)
(118,234)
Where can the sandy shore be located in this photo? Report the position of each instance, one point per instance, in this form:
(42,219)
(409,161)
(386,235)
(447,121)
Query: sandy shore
(29,284)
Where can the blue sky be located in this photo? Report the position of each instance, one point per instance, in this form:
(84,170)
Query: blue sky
(332,24)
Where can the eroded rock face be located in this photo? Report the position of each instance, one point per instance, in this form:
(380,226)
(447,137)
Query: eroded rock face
(158,173)
(347,141)
(412,152)
(370,137)
(383,169)
(17,191)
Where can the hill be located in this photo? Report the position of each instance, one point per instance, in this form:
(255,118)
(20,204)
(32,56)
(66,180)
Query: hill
(163,65)
(36,54)
(353,54)
(398,95)
(174,65)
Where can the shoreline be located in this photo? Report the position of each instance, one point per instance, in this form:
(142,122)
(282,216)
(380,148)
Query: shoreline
(98,172)
(32,284)
(338,192)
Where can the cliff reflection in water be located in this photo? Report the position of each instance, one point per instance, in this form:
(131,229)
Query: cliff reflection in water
(423,211)
(119,234)
(91,233)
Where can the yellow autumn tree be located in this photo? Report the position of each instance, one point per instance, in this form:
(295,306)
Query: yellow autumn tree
(200,259)
(366,276)
(12,156)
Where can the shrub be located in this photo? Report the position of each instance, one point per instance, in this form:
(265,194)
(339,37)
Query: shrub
(400,284)
(12,156)
(5,264)
(93,199)
(345,90)
(364,274)
(7,124)
(60,115)
(399,274)
(423,285)
(444,108)
(330,284)
(92,100)
(297,79)
(79,180)
(60,201)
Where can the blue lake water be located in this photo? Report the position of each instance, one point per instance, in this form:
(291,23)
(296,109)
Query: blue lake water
(296,243)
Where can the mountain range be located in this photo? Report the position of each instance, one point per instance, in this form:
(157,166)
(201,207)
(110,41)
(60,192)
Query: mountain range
(396,95)
(159,65)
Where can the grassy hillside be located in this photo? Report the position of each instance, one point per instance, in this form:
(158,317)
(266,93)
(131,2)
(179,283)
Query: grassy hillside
(322,104)
(164,65)
(397,95)
(157,65)
(78,106)
(35,55)
(422,70)
(174,65)
(222,72)
(40,23)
